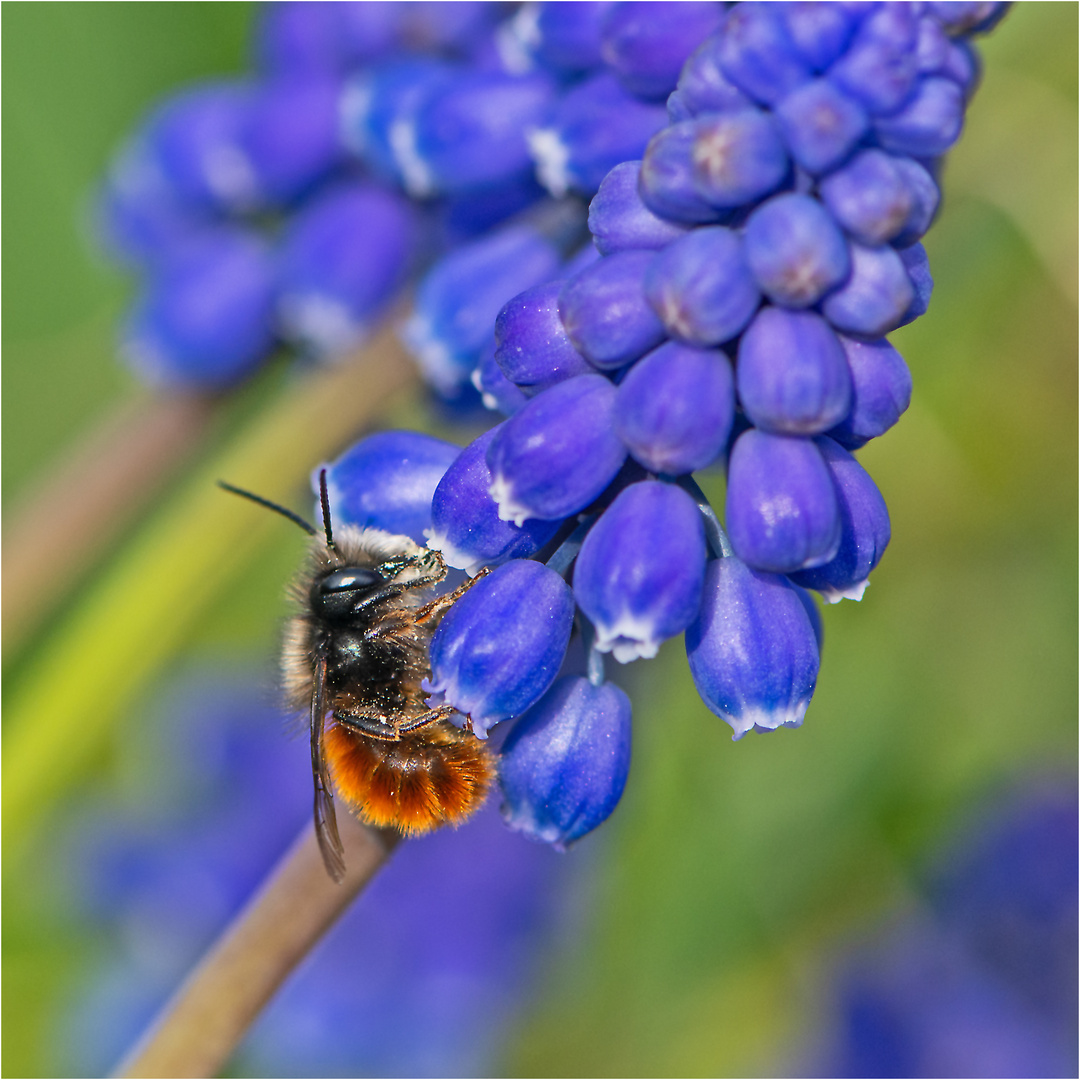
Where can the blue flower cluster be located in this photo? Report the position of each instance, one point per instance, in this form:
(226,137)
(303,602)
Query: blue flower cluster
(289,206)
(732,311)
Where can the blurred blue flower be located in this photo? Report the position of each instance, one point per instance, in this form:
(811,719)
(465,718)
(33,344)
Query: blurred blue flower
(160,881)
(981,981)
(386,481)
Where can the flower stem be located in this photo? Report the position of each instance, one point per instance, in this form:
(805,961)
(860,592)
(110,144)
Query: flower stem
(71,516)
(198,1030)
(132,619)
(714,531)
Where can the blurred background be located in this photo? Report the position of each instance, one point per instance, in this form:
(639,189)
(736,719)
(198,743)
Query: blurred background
(888,891)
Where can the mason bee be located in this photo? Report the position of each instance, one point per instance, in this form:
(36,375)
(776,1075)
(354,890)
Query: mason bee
(354,656)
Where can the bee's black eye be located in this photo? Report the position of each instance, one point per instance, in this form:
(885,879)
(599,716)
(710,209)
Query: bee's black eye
(337,594)
(348,578)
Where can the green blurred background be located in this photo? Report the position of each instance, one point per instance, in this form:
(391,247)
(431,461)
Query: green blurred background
(731,873)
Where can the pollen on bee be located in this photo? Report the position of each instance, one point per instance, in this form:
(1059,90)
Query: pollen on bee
(438,776)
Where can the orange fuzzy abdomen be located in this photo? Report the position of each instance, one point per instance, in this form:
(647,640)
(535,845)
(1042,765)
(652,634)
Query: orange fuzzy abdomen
(435,776)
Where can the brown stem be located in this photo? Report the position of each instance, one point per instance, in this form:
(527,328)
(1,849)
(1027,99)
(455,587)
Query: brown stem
(69,519)
(198,1030)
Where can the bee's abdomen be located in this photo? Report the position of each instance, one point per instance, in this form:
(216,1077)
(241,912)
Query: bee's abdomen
(437,776)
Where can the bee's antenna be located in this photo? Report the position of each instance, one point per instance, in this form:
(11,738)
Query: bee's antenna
(325,498)
(309,529)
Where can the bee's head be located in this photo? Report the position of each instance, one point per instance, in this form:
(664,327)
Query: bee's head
(337,596)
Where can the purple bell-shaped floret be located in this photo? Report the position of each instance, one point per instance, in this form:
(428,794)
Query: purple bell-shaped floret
(753,651)
(564,765)
(639,575)
(500,646)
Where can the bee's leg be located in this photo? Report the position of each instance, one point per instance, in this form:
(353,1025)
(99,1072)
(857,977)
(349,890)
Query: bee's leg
(438,607)
(389,728)
(429,560)
(443,712)
(388,627)
(372,724)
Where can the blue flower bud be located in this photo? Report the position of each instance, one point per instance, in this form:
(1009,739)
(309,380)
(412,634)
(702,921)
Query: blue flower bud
(301,37)
(917,264)
(605,313)
(875,297)
(496,391)
(459,297)
(880,66)
(666,181)
(674,408)
(757,54)
(344,256)
(752,650)
(925,197)
(194,141)
(795,250)
(928,124)
(820,32)
(386,481)
(703,87)
(964,18)
(782,514)
(500,646)
(821,124)
(314,37)
(701,286)
(138,216)
(620,221)
(556,455)
(963,66)
(465,216)
(869,197)
(564,765)
(465,522)
(640,572)
(290,139)
(792,375)
(865,529)
(564,38)
(677,108)
(435,26)
(378,116)
(472,133)
(932,50)
(531,344)
(738,157)
(205,320)
(593,127)
(646,43)
(881,391)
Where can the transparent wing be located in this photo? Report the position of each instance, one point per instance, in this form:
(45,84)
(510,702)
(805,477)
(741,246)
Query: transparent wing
(326,830)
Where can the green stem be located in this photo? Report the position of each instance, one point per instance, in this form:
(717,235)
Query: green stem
(101,661)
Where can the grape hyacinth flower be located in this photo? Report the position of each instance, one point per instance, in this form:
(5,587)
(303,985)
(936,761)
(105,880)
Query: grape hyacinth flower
(761,176)
(752,262)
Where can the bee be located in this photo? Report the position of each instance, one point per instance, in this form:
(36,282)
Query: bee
(354,657)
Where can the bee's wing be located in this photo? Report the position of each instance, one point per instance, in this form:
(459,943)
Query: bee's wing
(326,830)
